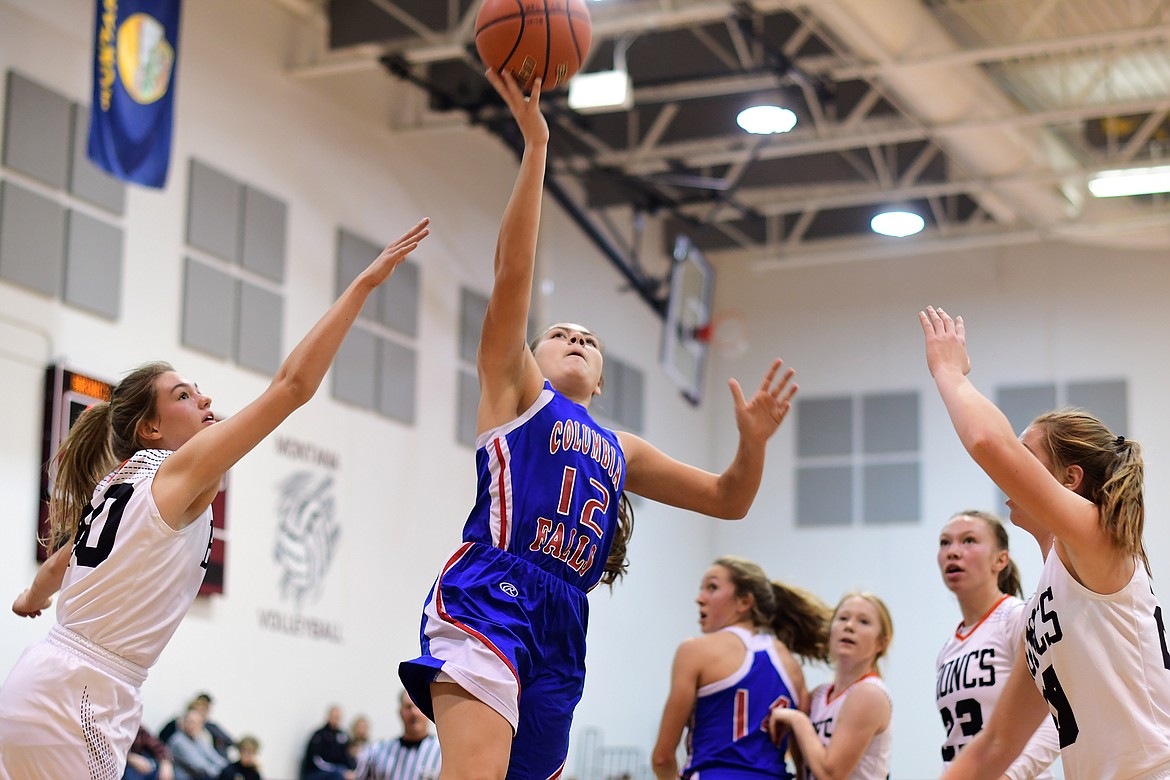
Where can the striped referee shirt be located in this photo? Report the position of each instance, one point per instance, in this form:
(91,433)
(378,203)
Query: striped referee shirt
(398,759)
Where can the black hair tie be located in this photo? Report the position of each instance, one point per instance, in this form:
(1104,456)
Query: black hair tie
(1119,442)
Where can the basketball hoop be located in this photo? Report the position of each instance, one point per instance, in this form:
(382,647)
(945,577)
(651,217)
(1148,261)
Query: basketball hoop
(726,332)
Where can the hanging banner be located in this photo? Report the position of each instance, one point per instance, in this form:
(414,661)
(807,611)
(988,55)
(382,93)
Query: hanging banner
(136,45)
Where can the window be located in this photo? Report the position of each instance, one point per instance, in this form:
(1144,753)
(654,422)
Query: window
(857,460)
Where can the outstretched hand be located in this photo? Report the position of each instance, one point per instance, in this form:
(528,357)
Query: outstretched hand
(946,341)
(25,607)
(525,109)
(758,418)
(395,252)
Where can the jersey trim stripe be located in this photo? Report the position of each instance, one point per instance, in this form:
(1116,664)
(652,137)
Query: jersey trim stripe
(830,697)
(560,769)
(500,491)
(959,628)
(741,714)
(462,626)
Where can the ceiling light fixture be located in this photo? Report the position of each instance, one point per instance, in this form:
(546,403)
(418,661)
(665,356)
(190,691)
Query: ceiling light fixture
(607,90)
(1131,181)
(766,120)
(898,224)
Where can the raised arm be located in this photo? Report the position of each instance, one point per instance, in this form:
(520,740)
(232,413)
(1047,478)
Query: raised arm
(865,713)
(188,480)
(655,475)
(39,596)
(680,702)
(509,377)
(988,436)
(1018,713)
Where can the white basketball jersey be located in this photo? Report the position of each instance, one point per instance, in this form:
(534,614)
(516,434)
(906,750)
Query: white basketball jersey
(132,577)
(875,761)
(972,668)
(1102,664)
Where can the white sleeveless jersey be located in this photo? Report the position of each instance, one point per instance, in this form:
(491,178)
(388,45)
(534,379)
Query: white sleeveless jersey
(132,578)
(1102,664)
(875,761)
(972,669)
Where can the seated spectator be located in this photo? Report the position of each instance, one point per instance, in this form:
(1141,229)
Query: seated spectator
(148,759)
(327,755)
(359,734)
(213,735)
(413,756)
(194,757)
(244,768)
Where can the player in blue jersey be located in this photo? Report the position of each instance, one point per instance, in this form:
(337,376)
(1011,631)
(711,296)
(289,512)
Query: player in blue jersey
(724,683)
(503,633)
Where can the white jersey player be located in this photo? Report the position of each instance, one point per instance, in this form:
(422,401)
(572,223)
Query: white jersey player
(974,664)
(846,733)
(130,553)
(1095,654)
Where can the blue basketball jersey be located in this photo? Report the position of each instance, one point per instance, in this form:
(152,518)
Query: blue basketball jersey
(728,728)
(549,486)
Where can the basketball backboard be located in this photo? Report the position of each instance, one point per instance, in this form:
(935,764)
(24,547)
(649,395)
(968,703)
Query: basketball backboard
(688,312)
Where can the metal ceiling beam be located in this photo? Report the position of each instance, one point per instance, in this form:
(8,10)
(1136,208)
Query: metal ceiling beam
(730,149)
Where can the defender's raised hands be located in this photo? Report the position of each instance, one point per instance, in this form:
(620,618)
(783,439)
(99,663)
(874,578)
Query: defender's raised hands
(946,341)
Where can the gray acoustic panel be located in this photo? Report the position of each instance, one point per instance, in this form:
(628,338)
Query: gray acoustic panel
(891,493)
(258,344)
(214,209)
(632,404)
(86,180)
(1020,404)
(466,415)
(354,255)
(890,422)
(472,308)
(32,239)
(400,299)
(1106,400)
(209,309)
(824,496)
(265,224)
(38,126)
(824,426)
(355,374)
(398,376)
(93,265)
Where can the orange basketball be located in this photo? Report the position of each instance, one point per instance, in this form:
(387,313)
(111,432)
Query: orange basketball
(534,38)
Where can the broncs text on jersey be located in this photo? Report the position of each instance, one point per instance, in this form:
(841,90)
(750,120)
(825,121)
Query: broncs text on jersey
(1042,631)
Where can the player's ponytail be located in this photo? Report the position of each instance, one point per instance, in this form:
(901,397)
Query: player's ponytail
(618,562)
(1113,473)
(801,621)
(798,618)
(82,460)
(104,435)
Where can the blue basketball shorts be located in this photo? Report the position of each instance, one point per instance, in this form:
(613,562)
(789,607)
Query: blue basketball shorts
(513,636)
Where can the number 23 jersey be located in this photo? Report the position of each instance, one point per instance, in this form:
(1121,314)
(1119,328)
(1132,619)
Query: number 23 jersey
(1102,664)
(132,578)
(972,668)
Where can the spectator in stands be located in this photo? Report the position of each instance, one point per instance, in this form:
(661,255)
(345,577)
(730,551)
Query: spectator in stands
(245,768)
(194,757)
(327,755)
(148,759)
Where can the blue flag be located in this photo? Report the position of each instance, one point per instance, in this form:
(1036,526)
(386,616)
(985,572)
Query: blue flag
(135,53)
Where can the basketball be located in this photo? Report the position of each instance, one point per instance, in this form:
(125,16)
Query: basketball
(546,39)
